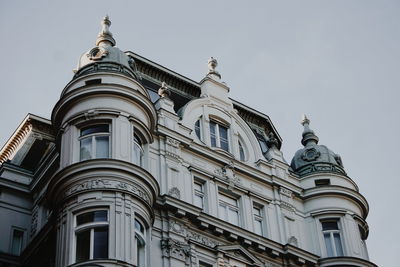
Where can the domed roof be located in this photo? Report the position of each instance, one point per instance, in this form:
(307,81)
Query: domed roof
(105,56)
(313,157)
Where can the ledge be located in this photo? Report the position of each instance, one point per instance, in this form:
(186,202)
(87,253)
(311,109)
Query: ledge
(345,261)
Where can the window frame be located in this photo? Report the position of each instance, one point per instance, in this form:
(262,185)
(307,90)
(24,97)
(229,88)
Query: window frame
(201,194)
(137,143)
(332,232)
(140,260)
(259,218)
(22,240)
(228,207)
(90,226)
(217,135)
(93,141)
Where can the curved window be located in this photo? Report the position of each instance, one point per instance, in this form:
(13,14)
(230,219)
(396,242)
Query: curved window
(137,151)
(95,142)
(219,136)
(333,243)
(91,232)
(140,244)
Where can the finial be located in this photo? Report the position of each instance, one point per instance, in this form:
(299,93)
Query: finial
(164,90)
(308,135)
(212,64)
(105,34)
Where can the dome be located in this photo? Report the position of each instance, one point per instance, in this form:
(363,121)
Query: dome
(313,157)
(105,56)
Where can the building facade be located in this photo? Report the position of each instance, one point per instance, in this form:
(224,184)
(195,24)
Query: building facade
(141,166)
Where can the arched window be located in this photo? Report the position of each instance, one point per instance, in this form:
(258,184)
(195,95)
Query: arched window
(242,154)
(137,151)
(140,244)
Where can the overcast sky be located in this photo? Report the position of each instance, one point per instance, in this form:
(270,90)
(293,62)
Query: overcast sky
(336,61)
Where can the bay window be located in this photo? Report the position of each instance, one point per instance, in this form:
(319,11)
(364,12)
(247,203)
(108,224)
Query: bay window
(219,136)
(91,235)
(333,243)
(95,142)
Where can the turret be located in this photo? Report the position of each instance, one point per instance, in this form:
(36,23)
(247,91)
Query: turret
(103,193)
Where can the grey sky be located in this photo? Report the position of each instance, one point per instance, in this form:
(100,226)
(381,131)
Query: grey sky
(337,61)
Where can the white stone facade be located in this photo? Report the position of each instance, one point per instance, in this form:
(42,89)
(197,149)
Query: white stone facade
(123,177)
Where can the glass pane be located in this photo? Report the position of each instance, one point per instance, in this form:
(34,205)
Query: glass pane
(223,132)
(102,147)
(197,129)
(330,225)
(94,216)
(139,226)
(140,251)
(222,212)
(212,134)
(229,200)
(101,128)
(100,246)
(198,187)
(233,216)
(198,201)
(338,244)
(224,145)
(83,246)
(241,152)
(258,227)
(328,244)
(137,154)
(86,148)
(16,245)
(257,211)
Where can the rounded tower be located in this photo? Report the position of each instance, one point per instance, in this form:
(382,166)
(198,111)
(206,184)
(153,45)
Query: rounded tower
(335,208)
(103,193)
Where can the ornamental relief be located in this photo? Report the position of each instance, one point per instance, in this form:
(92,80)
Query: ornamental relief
(176,249)
(108,184)
(180,229)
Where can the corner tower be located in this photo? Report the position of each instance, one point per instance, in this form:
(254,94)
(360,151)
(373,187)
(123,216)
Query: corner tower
(103,193)
(335,209)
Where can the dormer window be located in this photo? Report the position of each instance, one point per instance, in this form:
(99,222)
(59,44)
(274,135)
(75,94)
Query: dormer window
(95,142)
(219,136)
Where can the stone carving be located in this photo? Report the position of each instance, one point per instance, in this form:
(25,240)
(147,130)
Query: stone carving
(34,220)
(108,184)
(212,64)
(310,154)
(293,241)
(286,199)
(174,192)
(175,249)
(227,174)
(180,229)
(173,148)
(97,53)
(164,91)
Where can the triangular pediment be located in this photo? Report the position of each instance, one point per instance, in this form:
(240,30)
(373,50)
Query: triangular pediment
(240,253)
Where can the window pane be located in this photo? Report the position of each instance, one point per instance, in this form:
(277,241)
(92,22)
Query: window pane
(257,211)
(241,152)
(338,244)
(213,134)
(137,154)
(330,225)
(101,128)
(198,200)
(258,227)
(102,147)
(328,244)
(197,129)
(229,200)
(83,246)
(198,187)
(16,245)
(140,251)
(86,148)
(139,226)
(233,216)
(100,246)
(94,216)
(223,138)
(222,211)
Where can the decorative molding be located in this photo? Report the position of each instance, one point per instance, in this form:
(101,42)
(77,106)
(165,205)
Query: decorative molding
(226,173)
(310,154)
(175,249)
(34,220)
(174,192)
(182,230)
(108,184)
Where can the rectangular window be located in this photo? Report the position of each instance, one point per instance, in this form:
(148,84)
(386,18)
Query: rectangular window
(16,245)
(333,243)
(219,136)
(229,209)
(258,219)
(95,142)
(91,233)
(198,194)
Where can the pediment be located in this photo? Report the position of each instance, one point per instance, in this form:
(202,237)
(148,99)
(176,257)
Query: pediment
(240,253)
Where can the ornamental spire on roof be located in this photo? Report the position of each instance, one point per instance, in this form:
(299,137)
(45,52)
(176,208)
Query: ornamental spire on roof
(308,135)
(105,36)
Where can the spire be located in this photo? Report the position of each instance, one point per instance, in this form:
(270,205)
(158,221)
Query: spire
(212,64)
(105,35)
(308,135)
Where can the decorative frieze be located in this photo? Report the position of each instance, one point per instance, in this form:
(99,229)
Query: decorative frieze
(175,249)
(182,230)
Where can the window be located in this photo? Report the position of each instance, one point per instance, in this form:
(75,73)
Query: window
(16,245)
(258,219)
(137,151)
(140,244)
(91,233)
(242,155)
(262,142)
(197,129)
(219,136)
(94,142)
(229,209)
(331,232)
(198,194)
(203,264)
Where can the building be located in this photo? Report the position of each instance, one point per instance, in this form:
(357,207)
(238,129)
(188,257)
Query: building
(141,166)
